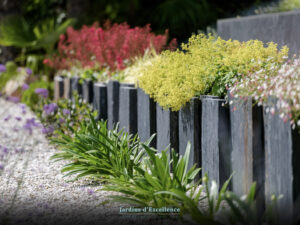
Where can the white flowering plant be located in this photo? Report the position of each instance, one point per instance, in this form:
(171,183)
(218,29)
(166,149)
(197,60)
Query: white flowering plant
(279,81)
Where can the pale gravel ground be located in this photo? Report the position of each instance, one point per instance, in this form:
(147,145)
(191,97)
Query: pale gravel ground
(33,190)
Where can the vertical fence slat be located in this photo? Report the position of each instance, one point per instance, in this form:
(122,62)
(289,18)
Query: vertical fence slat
(215,141)
(100,100)
(167,129)
(113,89)
(189,130)
(128,109)
(87,90)
(247,158)
(58,87)
(76,86)
(279,169)
(146,117)
(67,88)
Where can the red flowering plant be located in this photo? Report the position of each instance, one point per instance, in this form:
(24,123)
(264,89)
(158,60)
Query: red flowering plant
(111,46)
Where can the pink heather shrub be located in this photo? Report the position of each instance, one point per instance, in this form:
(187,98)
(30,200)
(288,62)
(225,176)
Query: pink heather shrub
(282,83)
(112,46)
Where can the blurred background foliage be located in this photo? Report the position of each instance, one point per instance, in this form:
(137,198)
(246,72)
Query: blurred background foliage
(34,26)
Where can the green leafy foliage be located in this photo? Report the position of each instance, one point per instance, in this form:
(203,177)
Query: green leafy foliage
(98,152)
(16,31)
(10,73)
(33,39)
(150,185)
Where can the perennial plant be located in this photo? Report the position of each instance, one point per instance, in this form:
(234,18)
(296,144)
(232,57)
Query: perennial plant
(111,46)
(207,65)
(282,83)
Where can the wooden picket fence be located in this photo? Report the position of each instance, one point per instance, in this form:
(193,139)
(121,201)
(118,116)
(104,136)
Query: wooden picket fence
(239,139)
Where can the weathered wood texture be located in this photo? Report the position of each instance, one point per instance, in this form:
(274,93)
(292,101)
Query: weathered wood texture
(100,100)
(146,116)
(67,88)
(215,142)
(167,129)
(279,162)
(189,131)
(76,86)
(113,90)
(247,158)
(88,90)
(128,109)
(58,87)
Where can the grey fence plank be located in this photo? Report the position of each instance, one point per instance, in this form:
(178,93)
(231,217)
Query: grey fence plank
(167,129)
(67,88)
(87,90)
(76,86)
(100,100)
(128,109)
(247,158)
(146,117)
(279,167)
(189,130)
(215,140)
(113,90)
(281,28)
(58,87)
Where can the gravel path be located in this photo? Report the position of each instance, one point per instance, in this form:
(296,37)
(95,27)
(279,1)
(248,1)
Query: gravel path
(33,190)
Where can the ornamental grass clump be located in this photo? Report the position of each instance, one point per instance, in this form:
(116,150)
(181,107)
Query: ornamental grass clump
(206,65)
(99,153)
(283,83)
(153,179)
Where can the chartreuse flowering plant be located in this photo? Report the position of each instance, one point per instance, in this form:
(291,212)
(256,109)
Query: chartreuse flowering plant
(207,65)
(283,83)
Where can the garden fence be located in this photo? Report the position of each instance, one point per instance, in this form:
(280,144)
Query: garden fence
(240,139)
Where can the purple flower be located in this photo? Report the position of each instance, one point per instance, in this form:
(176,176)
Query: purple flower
(13,99)
(42,92)
(7,118)
(2,68)
(44,130)
(48,130)
(23,107)
(1,167)
(66,112)
(28,71)
(90,191)
(61,120)
(5,150)
(18,118)
(30,123)
(50,108)
(25,87)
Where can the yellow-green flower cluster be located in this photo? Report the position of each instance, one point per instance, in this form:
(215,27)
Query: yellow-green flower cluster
(131,74)
(205,65)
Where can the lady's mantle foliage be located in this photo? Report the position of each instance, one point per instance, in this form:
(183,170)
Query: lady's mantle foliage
(205,66)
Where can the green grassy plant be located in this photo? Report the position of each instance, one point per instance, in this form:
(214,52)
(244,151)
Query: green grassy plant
(150,185)
(98,152)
